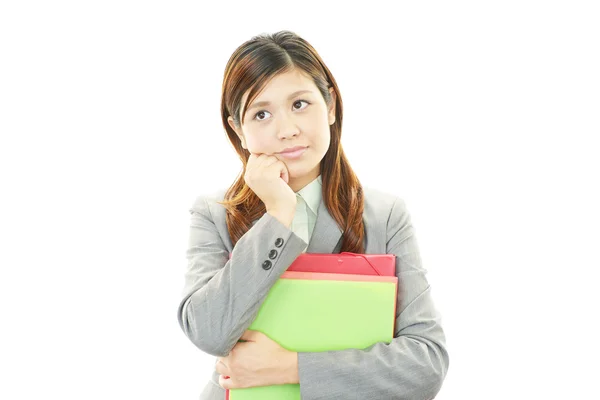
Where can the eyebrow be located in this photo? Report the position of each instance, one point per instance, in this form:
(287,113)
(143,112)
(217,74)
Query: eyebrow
(266,103)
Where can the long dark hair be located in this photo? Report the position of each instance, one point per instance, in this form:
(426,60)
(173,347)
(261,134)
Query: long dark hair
(250,67)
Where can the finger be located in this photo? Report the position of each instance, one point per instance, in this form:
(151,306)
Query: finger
(225,382)
(285,175)
(261,336)
(261,156)
(267,161)
(283,171)
(224,360)
(259,161)
(255,156)
(249,335)
(222,369)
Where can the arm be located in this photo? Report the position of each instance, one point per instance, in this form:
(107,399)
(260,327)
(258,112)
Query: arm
(413,366)
(222,296)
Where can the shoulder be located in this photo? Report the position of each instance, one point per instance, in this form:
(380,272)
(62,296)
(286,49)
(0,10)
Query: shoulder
(385,208)
(207,203)
(379,200)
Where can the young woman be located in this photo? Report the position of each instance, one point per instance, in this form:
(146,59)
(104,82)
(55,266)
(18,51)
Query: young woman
(282,111)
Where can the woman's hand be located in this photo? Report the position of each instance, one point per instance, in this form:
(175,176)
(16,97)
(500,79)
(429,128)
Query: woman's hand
(268,178)
(259,361)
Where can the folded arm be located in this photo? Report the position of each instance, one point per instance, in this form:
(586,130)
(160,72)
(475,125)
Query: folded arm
(414,365)
(222,296)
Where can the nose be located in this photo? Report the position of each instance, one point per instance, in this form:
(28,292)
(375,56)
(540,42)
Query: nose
(287,127)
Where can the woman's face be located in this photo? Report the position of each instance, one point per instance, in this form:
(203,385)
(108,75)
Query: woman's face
(280,118)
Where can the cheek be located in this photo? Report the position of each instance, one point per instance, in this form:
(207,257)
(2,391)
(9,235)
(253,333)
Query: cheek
(324,142)
(326,138)
(323,132)
(316,126)
(257,143)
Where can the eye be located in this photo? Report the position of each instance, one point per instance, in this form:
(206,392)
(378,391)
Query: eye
(259,113)
(301,101)
(262,112)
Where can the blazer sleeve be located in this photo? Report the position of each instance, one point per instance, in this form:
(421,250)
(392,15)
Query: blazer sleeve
(222,296)
(414,365)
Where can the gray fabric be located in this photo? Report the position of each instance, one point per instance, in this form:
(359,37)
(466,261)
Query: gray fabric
(221,298)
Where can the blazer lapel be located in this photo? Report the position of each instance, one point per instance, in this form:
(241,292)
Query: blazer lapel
(326,234)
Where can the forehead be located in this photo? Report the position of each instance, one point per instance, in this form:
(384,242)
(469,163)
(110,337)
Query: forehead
(278,88)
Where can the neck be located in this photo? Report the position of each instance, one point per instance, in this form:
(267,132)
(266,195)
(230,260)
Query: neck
(298,183)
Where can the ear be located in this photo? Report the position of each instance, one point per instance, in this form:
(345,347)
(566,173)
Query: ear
(331,113)
(237,131)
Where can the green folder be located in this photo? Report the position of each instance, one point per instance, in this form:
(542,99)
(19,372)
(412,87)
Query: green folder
(314,312)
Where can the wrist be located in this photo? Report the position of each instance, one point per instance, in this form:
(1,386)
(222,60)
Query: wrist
(291,375)
(285,217)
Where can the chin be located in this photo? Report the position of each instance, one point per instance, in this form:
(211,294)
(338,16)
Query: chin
(299,172)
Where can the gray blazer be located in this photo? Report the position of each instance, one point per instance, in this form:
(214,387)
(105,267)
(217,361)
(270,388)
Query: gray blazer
(221,298)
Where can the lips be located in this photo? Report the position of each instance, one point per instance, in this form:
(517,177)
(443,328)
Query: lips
(292,149)
(293,154)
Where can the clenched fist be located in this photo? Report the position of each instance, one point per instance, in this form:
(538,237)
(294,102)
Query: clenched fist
(268,178)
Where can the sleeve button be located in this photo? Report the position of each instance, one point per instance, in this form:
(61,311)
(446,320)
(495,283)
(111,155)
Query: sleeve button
(279,242)
(267,265)
(272,254)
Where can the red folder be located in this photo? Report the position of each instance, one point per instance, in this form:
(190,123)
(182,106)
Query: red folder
(345,263)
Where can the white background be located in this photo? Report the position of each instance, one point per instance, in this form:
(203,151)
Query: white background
(483,116)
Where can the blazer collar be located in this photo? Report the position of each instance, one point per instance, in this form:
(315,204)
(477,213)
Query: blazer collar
(312,194)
